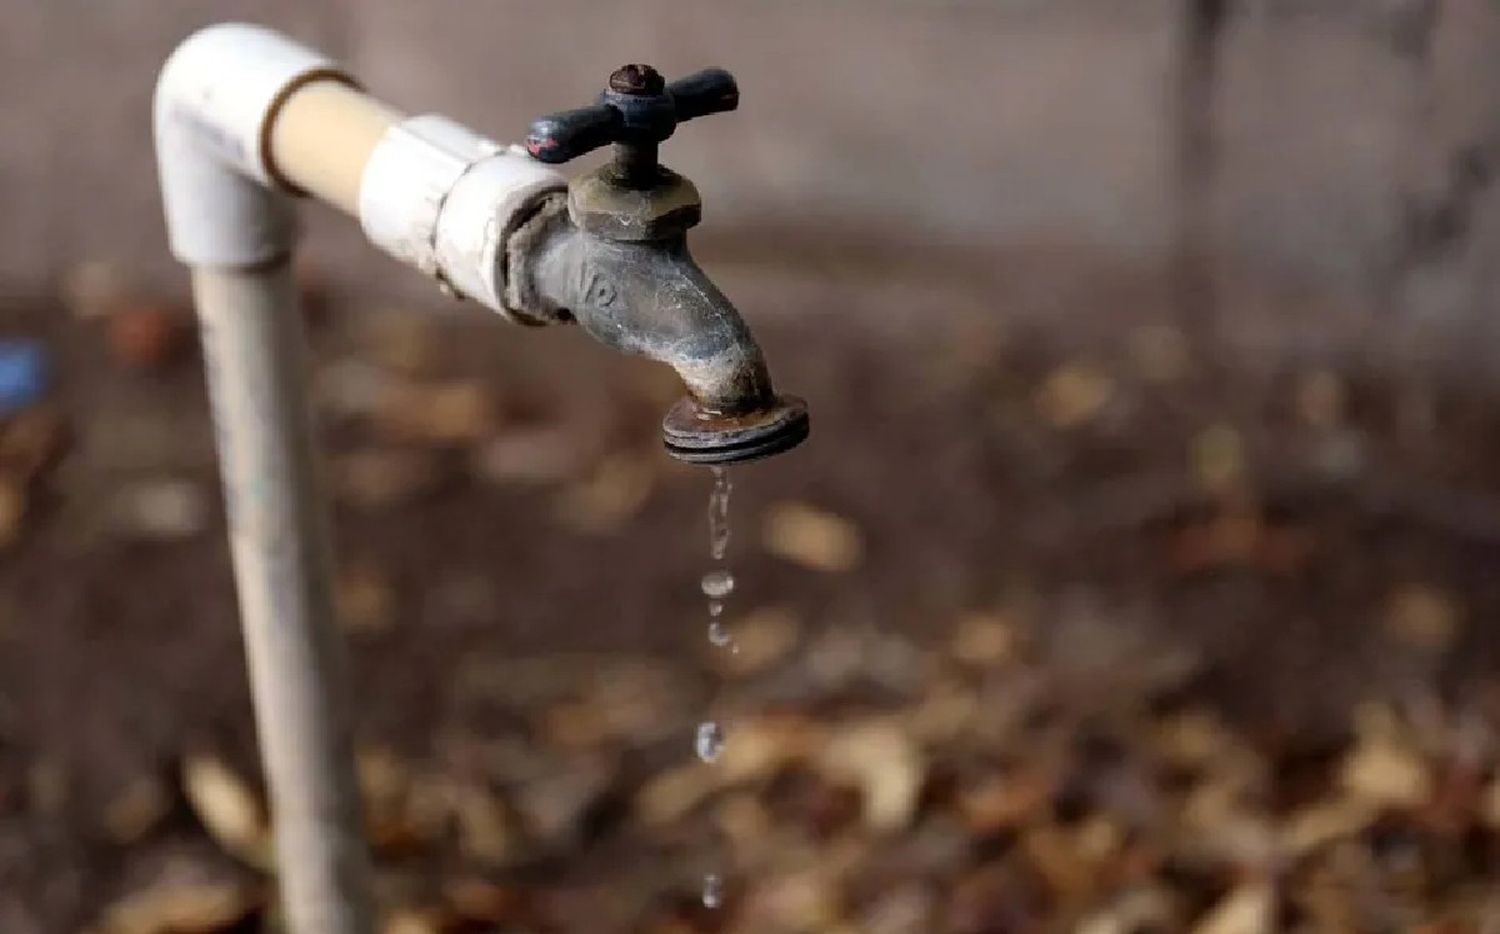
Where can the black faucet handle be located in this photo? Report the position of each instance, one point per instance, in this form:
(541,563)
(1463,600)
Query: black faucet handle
(710,91)
(568,134)
(636,110)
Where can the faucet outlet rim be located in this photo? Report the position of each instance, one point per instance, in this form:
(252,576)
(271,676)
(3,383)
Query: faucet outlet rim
(697,436)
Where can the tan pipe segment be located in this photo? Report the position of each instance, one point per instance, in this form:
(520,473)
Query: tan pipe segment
(321,138)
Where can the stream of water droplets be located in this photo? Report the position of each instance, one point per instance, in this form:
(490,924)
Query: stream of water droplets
(717,585)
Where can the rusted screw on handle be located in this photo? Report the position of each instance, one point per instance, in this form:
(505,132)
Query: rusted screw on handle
(637,80)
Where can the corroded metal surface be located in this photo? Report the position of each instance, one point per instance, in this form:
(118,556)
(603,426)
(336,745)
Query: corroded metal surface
(700,437)
(650,298)
(618,264)
(601,205)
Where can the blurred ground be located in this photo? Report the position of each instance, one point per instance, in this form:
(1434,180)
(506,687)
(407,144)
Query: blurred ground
(1040,631)
(1137,576)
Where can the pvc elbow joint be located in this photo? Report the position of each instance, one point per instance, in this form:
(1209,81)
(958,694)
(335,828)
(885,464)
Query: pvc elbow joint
(215,100)
(431,192)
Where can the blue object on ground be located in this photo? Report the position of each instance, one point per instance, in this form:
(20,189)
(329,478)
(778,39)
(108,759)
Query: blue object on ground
(23,374)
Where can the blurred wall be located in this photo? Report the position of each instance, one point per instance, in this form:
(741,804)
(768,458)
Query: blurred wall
(945,121)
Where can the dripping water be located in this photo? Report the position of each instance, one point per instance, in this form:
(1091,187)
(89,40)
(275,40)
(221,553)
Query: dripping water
(709,742)
(717,585)
(713,891)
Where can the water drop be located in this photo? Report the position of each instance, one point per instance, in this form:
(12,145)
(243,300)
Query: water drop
(715,609)
(718,515)
(718,634)
(709,741)
(713,890)
(718,584)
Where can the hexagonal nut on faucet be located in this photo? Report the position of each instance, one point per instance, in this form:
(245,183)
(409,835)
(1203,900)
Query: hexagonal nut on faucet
(600,205)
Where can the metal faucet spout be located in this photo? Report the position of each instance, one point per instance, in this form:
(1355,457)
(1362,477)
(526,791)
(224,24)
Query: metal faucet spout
(650,298)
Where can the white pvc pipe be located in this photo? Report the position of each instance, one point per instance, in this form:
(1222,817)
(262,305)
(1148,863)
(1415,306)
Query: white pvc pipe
(244,118)
(215,96)
(254,354)
(228,219)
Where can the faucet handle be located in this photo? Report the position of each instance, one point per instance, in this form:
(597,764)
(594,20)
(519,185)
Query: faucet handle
(710,91)
(636,111)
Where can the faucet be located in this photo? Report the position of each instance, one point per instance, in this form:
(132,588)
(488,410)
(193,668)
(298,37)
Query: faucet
(613,256)
(245,121)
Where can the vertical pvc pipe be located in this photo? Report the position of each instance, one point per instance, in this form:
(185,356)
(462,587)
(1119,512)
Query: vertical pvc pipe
(254,352)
